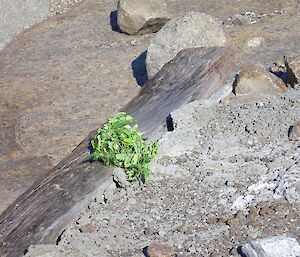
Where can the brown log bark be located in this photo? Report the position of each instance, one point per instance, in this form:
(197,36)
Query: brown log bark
(41,213)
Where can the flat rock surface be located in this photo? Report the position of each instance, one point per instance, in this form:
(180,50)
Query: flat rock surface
(63,77)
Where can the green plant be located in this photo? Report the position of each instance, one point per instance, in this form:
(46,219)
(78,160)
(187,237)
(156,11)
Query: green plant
(119,143)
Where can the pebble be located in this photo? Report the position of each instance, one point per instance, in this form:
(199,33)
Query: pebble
(294,133)
(253,213)
(192,249)
(132,201)
(160,250)
(88,228)
(211,219)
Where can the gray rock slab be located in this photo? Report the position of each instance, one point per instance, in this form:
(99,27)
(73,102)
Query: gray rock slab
(16,15)
(277,246)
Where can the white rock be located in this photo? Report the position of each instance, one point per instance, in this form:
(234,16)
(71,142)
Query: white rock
(277,246)
(288,185)
(191,30)
(254,42)
(142,17)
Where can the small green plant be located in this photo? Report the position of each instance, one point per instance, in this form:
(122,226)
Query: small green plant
(119,143)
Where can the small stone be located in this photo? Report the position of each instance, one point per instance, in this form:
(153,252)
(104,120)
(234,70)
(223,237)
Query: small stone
(162,232)
(221,220)
(88,228)
(233,251)
(150,230)
(231,222)
(277,246)
(160,250)
(253,213)
(239,215)
(255,42)
(211,219)
(136,17)
(132,201)
(265,211)
(256,81)
(109,192)
(230,183)
(294,133)
(192,249)
(120,178)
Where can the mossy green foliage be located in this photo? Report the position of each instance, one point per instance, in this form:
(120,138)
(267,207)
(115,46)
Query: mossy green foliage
(120,144)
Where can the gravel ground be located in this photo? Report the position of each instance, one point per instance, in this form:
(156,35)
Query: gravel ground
(226,175)
(60,6)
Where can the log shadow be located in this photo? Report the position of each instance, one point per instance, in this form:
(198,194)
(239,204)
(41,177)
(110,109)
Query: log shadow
(113,22)
(139,69)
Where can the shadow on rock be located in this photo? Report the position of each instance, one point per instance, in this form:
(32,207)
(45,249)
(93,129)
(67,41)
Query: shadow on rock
(139,69)
(113,22)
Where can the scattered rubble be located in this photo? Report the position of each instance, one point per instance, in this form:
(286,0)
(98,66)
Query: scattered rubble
(250,17)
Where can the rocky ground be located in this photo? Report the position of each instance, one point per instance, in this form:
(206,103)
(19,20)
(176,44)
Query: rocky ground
(227,171)
(57,76)
(226,175)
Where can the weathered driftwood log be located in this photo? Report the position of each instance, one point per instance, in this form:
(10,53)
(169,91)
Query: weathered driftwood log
(41,214)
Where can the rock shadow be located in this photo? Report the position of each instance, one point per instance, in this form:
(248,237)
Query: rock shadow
(113,22)
(139,69)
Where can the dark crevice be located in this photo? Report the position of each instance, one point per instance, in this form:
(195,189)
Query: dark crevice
(59,237)
(170,123)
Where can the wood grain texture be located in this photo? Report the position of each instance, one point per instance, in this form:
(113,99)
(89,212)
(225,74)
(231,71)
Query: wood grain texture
(41,213)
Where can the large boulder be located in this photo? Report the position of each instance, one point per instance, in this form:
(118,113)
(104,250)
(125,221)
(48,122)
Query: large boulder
(191,30)
(19,14)
(136,17)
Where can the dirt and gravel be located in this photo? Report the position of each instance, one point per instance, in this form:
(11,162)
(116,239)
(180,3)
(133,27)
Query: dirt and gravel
(226,175)
(61,6)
